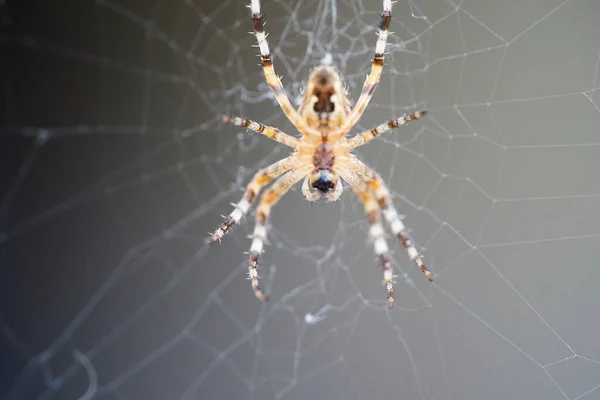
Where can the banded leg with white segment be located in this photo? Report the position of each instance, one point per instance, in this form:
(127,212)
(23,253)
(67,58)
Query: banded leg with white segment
(272,79)
(377,235)
(268,131)
(270,197)
(395,221)
(260,179)
(376,68)
(367,136)
(399,230)
(392,217)
(376,232)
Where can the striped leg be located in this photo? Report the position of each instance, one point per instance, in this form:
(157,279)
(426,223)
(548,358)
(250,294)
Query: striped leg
(376,68)
(267,201)
(376,232)
(260,179)
(267,131)
(272,79)
(367,136)
(389,212)
(398,228)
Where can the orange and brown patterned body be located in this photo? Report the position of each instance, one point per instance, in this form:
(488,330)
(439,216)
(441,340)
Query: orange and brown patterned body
(325,108)
(322,155)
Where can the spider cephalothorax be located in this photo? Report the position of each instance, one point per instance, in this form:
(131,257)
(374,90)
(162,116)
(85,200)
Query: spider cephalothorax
(322,156)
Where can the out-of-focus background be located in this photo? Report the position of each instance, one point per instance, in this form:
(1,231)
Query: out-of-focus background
(115,167)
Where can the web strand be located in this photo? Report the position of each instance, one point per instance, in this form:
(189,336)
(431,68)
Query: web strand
(117,164)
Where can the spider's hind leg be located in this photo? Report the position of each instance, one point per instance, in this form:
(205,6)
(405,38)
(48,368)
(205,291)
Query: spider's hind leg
(358,170)
(377,235)
(376,232)
(395,221)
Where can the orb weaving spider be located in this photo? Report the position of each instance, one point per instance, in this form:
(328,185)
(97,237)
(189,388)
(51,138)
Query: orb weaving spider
(322,156)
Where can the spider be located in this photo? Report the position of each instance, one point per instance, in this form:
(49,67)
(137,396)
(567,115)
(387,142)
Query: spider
(322,155)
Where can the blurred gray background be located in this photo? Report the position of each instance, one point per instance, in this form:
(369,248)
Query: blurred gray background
(115,168)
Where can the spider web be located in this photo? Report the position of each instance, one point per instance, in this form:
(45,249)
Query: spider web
(115,168)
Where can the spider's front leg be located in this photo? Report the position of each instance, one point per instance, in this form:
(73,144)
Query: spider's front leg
(259,236)
(272,79)
(376,232)
(260,179)
(376,68)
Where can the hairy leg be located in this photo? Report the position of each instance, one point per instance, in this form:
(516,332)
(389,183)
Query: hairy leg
(384,199)
(268,131)
(376,232)
(272,79)
(367,136)
(270,197)
(376,68)
(260,179)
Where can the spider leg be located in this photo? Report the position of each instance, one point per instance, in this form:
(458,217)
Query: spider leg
(376,68)
(260,179)
(272,79)
(384,199)
(367,136)
(265,130)
(259,236)
(376,232)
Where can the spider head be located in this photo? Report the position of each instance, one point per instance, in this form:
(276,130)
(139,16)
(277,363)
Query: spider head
(325,101)
(324,180)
